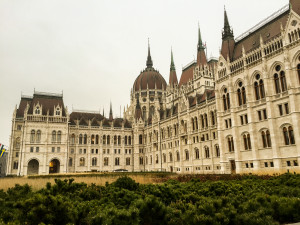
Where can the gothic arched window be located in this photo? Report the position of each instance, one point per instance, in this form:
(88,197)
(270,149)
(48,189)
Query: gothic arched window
(259,87)
(197,153)
(94,161)
(38,136)
(226,99)
(280,80)
(187,155)
(241,94)
(206,149)
(54,136)
(58,136)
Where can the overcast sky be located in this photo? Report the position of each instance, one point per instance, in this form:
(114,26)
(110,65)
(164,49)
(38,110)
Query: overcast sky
(93,50)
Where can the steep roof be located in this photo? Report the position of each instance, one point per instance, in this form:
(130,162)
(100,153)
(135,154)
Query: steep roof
(22,106)
(295,6)
(118,122)
(48,102)
(187,73)
(127,124)
(86,115)
(268,32)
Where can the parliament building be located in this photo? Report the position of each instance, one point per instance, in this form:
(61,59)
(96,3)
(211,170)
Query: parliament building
(239,113)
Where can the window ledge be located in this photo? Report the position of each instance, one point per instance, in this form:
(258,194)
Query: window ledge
(267,148)
(248,150)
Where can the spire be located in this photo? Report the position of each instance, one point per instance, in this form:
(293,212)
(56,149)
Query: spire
(110,112)
(149,60)
(172,67)
(200,44)
(227,32)
(103,112)
(173,77)
(201,57)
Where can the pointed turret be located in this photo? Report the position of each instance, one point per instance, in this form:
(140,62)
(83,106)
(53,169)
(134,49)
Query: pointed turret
(173,77)
(201,57)
(227,39)
(110,113)
(149,59)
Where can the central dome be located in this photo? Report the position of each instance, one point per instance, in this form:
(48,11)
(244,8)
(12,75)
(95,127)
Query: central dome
(149,78)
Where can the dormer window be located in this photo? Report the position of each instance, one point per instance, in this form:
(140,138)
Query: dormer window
(37,110)
(57,113)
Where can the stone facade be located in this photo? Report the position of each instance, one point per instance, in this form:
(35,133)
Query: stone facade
(237,114)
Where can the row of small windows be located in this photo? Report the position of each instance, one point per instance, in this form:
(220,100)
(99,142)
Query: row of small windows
(83,139)
(105,151)
(186,154)
(271,164)
(37,149)
(94,161)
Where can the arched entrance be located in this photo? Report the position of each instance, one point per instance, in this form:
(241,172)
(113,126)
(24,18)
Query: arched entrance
(33,167)
(54,166)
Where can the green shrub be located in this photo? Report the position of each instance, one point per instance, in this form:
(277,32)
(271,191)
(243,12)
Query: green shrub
(126,183)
